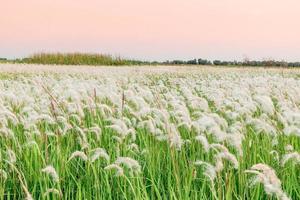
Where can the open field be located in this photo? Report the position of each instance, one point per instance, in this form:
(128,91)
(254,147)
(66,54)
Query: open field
(165,132)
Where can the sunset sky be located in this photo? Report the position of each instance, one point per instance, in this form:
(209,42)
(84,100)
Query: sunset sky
(153,29)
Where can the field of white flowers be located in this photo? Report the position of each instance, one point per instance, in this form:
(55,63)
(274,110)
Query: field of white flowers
(140,133)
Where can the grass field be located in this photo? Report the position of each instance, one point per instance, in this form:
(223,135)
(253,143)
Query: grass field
(149,133)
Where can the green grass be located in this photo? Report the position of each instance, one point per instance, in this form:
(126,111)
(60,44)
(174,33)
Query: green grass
(78,59)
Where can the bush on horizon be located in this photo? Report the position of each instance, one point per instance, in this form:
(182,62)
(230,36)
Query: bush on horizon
(78,59)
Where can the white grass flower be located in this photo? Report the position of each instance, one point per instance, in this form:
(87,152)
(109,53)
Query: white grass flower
(292,130)
(83,141)
(120,127)
(217,133)
(10,116)
(96,130)
(261,126)
(218,147)
(79,154)
(148,125)
(31,143)
(11,156)
(66,128)
(225,156)
(221,122)
(289,148)
(210,170)
(265,103)
(267,176)
(116,128)
(62,119)
(175,141)
(50,133)
(75,116)
(294,157)
(119,170)
(118,139)
(203,141)
(235,140)
(7,133)
(105,110)
(174,138)
(99,153)
(130,163)
(204,123)
(47,118)
(134,147)
(50,170)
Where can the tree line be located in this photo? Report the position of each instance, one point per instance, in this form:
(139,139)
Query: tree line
(252,63)
(104,59)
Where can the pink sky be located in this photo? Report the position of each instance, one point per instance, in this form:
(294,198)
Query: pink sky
(153,29)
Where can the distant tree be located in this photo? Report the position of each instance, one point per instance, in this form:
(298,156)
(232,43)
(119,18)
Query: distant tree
(192,62)
(246,60)
(178,62)
(217,62)
(283,63)
(224,63)
(203,62)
